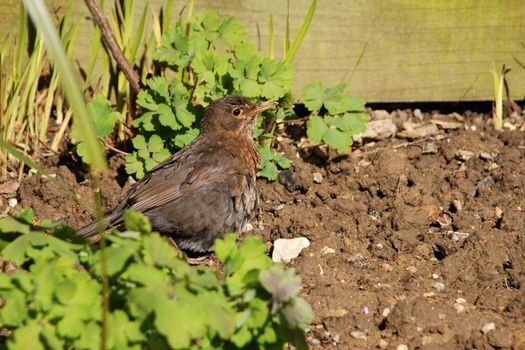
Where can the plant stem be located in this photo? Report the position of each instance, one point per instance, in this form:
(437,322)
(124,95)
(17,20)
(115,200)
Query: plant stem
(111,42)
(103,261)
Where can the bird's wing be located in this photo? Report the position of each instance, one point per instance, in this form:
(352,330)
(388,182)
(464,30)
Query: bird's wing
(179,177)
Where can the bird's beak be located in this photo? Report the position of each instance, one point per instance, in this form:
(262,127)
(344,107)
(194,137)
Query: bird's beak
(261,107)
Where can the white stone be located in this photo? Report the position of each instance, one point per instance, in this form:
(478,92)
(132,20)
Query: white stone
(287,249)
(318,178)
(487,327)
(12,202)
(358,335)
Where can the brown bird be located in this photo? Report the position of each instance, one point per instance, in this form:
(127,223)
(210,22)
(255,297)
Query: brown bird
(207,188)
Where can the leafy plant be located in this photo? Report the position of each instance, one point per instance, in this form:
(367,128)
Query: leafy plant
(271,161)
(104,119)
(55,303)
(336,115)
(210,57)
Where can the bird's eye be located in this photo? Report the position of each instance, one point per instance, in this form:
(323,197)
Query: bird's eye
(236,112)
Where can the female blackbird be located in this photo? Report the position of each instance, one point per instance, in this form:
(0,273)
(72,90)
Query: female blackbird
(207,188)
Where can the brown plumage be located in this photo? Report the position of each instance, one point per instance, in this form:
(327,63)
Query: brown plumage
(206,189)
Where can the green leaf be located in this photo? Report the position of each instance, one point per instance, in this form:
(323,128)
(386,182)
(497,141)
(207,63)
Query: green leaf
(337,139)
(356,104)
(225,247)
(105,118)
(269,170)
(190,321)
(167,117)
(10,224)
(70,326)
(139,142)
(26,337)
(14,312)
(122,331)
(282,161)
(313,95)
(16,250)
(134,165)
(356,122)
(135,221)
(181,140)
(336,104)
(276,78)
(316,129)
(159,250)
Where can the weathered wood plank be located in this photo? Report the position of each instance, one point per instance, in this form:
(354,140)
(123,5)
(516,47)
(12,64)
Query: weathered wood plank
(387,50)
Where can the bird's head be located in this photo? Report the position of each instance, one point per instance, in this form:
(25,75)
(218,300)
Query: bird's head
(233,115)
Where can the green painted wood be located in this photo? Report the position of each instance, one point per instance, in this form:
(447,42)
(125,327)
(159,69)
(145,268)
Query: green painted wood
(387,50)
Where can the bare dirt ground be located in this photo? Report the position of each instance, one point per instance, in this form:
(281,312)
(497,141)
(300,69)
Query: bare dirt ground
(417,242)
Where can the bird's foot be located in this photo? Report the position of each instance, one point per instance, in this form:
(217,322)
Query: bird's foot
(193,261)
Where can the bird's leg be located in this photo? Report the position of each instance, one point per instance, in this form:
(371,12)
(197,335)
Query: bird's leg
(192,261)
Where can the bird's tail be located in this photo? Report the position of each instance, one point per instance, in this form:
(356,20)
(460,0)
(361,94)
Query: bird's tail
(113,219)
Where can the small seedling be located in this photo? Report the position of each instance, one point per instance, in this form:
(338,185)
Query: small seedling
(499,84)
(336,116)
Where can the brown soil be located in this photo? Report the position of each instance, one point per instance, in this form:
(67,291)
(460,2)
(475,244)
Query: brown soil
(412,243)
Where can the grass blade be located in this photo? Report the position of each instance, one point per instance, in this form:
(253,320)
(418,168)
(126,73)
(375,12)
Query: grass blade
(292,50)
(40,16)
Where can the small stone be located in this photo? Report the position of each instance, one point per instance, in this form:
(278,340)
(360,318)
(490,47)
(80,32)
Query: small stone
(318,178)
(439,285)
(435,276)
(386,312)
(287,249)
(487,327)
(457,204)
(459,307)
(429,294)
(358,335)
(327,250)
(402,347)
(382,344)
(336,313)
(12,202)
(418,114)
(464,155)
(426,340)
(485,156)
(247,228)
(458,236)
(412,269)
(498,212)
(314,341)
(493,166)
(387,267)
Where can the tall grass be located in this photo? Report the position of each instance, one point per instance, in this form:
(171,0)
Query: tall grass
(29,94)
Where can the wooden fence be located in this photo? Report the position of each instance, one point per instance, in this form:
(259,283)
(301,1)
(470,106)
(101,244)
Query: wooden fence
(387,50)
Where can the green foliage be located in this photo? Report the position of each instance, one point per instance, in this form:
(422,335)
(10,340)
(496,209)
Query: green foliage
(210,60)
(105,120)
(157,301)
(29,103)
(271,161)
(336,115)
